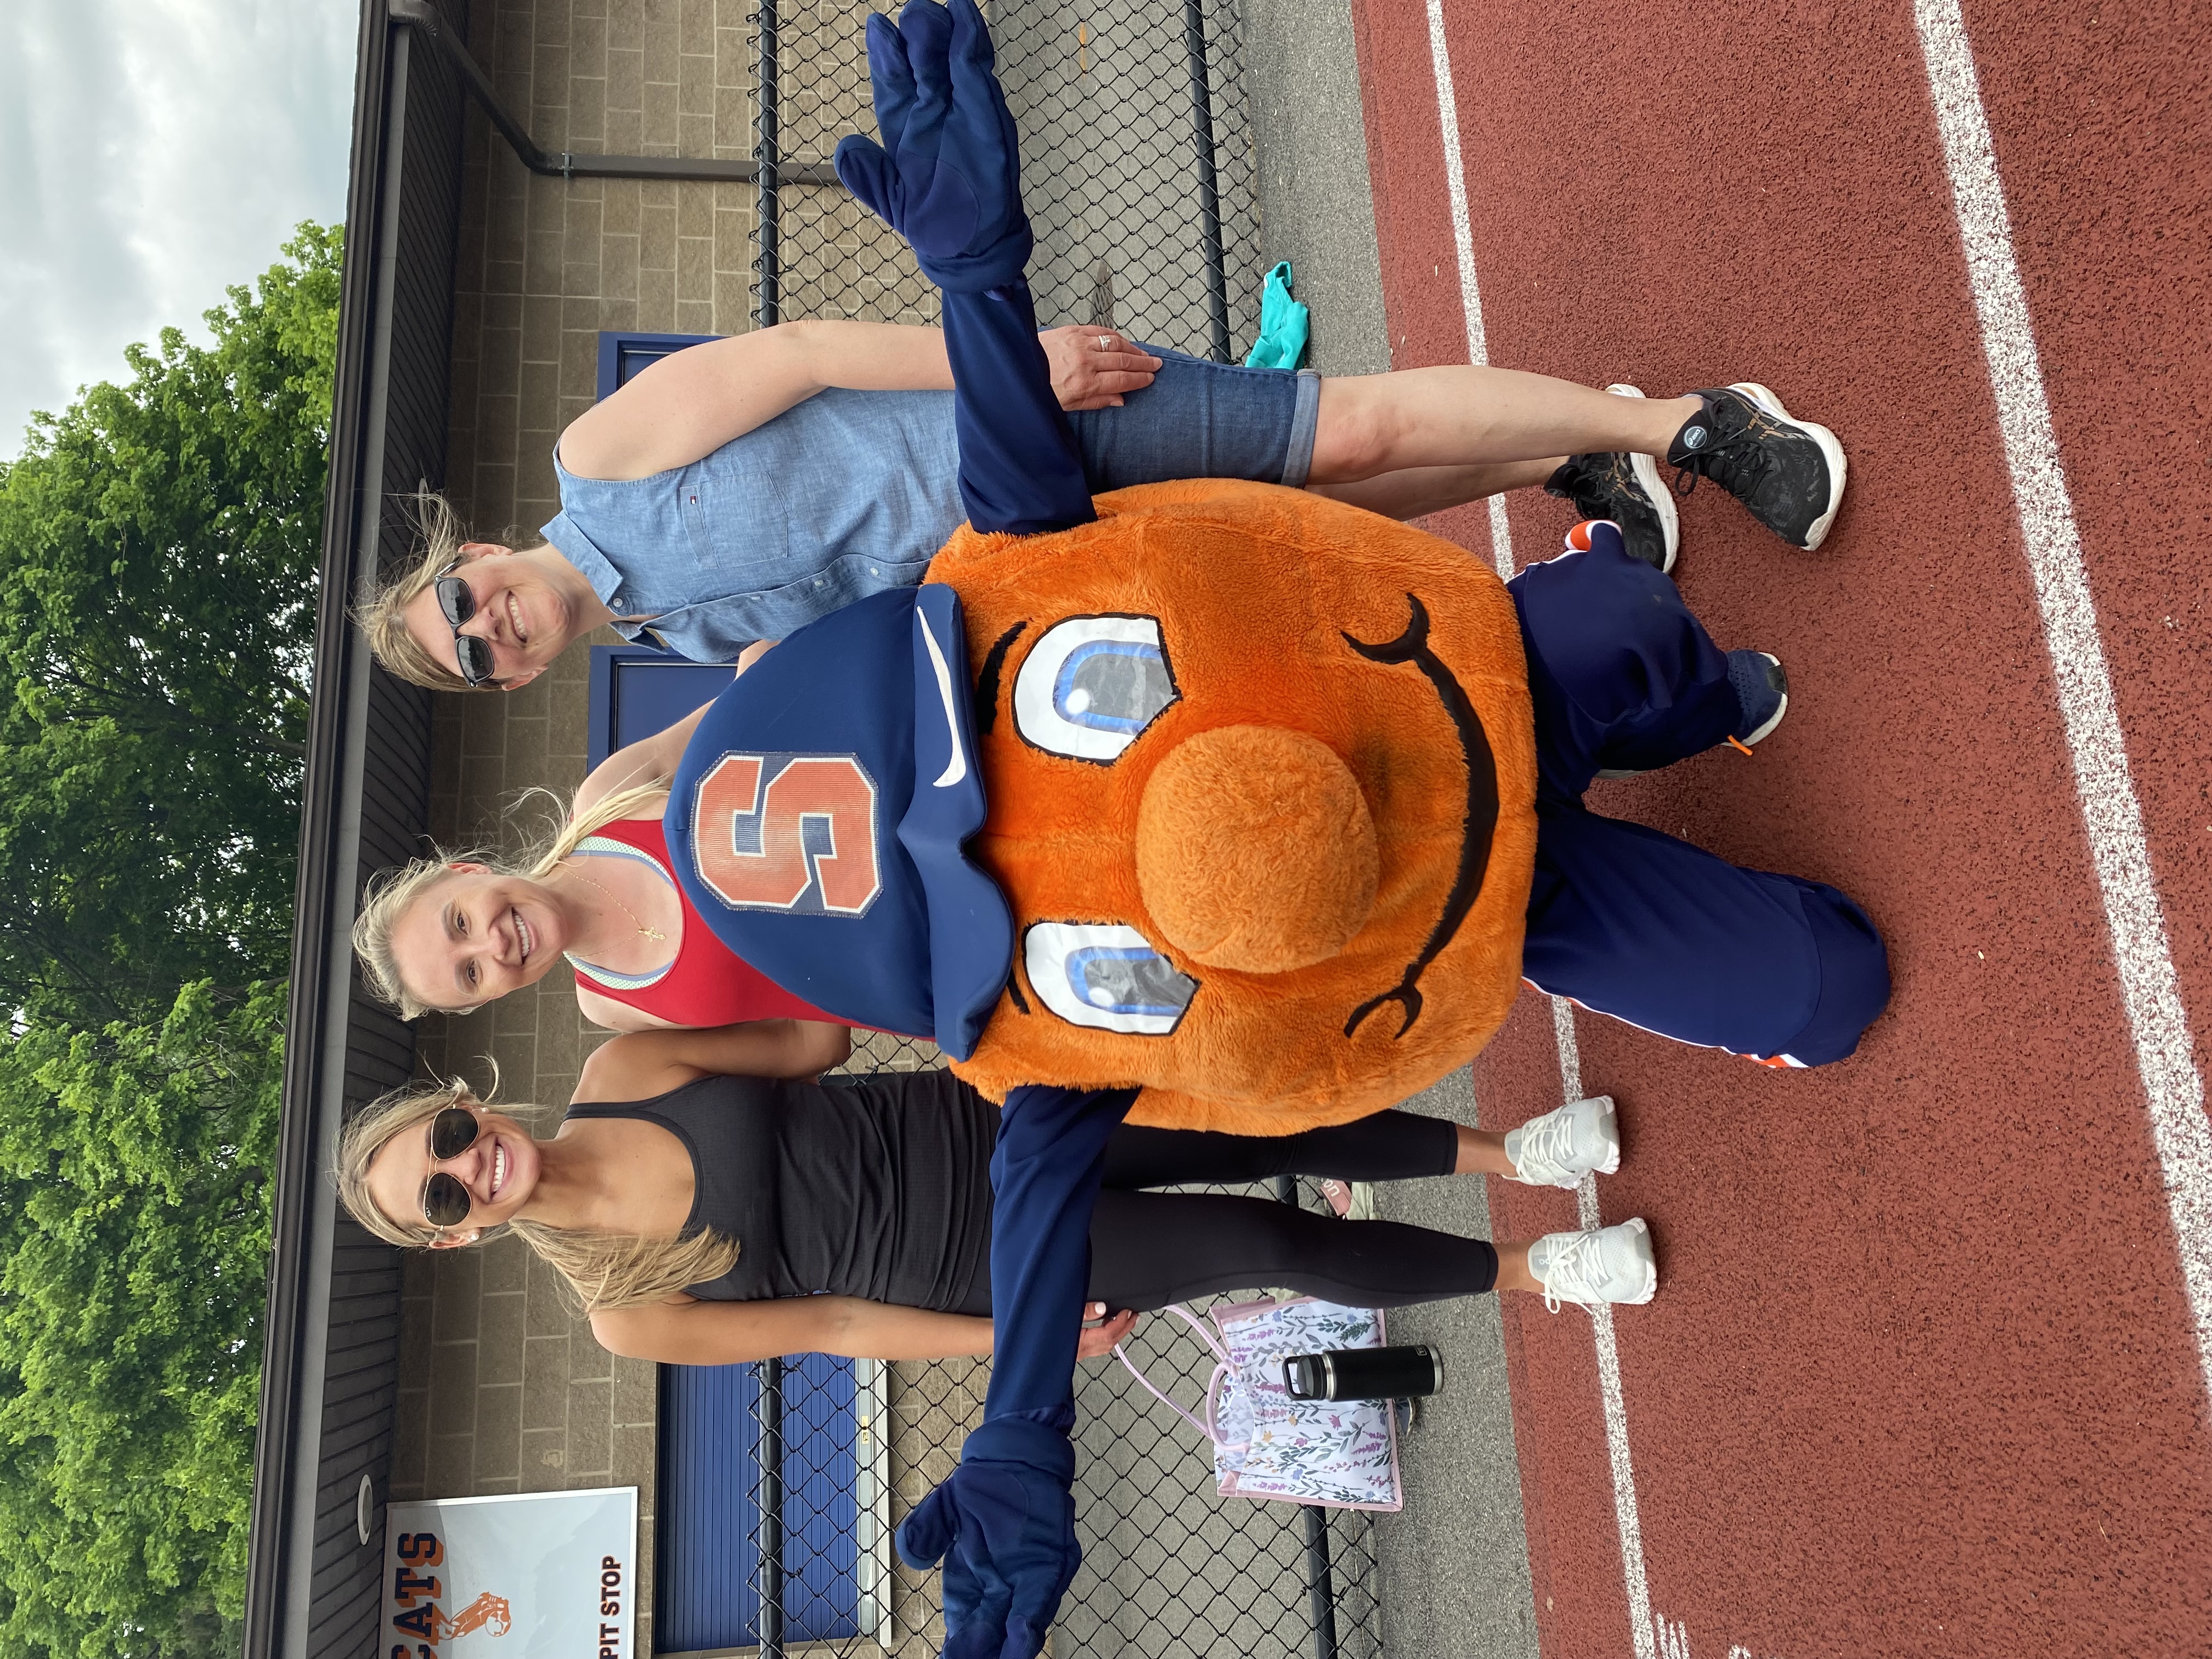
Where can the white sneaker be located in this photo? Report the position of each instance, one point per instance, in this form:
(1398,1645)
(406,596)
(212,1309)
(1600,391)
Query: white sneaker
(1611,1264)
(1567,1143)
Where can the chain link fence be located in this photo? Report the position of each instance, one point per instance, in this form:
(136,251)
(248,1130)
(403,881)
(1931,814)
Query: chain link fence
(828,1455)
(1140,181)
(1137,169)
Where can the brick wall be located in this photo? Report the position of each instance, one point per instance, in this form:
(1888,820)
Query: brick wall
(502,1389)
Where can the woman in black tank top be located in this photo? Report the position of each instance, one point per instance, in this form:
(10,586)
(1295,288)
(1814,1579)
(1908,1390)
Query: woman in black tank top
(705,1214)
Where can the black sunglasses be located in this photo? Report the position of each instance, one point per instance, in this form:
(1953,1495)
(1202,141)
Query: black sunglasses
(456,603)
(445,1202)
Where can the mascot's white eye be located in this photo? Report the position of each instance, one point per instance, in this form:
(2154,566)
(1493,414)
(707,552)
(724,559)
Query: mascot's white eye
(1105,976)
(1090,684)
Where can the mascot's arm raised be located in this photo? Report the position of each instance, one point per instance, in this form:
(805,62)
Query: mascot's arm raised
(947,178)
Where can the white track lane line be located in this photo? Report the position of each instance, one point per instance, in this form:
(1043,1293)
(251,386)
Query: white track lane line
(1470,297)
(1640,1628)
(2113,819)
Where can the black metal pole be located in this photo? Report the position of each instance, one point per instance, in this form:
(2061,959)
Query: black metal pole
(572,164)
(1321,1572)
(1209,196)
(770,1457)
(768,310)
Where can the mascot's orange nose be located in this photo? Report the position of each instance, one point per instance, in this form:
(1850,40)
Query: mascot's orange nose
(1254,850)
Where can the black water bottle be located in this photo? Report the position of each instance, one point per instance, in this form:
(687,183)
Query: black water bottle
(1364,1373)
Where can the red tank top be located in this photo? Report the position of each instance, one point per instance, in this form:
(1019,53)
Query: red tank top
(708,984)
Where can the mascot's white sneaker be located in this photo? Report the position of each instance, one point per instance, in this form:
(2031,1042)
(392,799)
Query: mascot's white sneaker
(1610,1264)
(1567,1143)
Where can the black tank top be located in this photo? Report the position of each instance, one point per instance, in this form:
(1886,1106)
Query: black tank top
(876,1187)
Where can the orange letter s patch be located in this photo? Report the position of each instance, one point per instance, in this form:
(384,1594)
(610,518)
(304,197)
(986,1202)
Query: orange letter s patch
(804,843)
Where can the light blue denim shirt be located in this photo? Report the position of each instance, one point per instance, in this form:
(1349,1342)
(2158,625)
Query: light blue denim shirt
(843,496)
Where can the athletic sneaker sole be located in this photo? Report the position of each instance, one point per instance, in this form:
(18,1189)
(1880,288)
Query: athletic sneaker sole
(1780,708)
(1646,472)
(1830,451)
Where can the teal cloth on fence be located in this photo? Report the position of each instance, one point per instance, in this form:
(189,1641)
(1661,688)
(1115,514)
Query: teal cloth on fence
(1282,342)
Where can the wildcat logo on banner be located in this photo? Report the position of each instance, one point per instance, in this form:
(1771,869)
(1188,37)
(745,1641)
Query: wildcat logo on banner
(542,1576)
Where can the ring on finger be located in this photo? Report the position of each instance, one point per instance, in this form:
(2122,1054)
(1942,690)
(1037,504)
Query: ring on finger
(1105,342)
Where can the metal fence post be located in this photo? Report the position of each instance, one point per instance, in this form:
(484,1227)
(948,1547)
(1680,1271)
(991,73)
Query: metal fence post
(768,310)
(770,1463)
(1321,1572)
(1209,195)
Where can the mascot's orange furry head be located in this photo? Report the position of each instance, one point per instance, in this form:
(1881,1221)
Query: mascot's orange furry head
(1261,773)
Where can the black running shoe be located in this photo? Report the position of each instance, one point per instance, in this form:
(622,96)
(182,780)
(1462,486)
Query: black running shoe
(1626,489)
(1788,473)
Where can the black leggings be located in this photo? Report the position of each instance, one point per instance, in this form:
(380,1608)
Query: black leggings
(1148,1249)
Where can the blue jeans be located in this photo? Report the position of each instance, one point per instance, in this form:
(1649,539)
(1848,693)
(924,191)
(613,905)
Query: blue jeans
(1203,420)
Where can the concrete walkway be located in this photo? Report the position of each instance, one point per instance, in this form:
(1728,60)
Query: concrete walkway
(1455,1563)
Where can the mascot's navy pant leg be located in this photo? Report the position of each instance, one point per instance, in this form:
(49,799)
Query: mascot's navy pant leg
(1638,925)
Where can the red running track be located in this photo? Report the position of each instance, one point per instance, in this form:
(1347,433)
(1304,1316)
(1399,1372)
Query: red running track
(1922,1377)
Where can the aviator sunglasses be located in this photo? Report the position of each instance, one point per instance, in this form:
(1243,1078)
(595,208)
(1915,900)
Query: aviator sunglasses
(446,1201)
(456,603)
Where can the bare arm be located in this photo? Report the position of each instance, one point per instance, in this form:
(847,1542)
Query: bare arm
(692,1333)
(691,403)
(685,1332)
(642,1063)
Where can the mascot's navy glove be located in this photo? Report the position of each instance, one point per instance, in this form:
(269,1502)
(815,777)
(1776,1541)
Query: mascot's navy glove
(951,184)
(947,176)
(1003,1521)
(1004,1524)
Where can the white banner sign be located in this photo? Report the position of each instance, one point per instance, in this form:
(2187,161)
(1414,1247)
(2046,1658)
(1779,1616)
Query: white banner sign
(542,1576)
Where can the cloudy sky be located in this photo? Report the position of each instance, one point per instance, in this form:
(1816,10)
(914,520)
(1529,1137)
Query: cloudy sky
(152,153)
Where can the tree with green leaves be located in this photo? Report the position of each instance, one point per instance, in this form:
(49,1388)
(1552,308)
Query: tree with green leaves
(158,550)
(134,1261)
(159,542)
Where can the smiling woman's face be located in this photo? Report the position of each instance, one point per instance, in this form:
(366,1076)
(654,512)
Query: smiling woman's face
(500,1170)
(474,935)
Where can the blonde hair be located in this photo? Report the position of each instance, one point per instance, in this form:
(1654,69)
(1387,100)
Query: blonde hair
(602,1271)
(391,892)
(383,615)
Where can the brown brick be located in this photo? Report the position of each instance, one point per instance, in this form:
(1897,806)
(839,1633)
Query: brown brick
(626,132)
(411,1444)
(619,267)
(695,268)
(694,134)
(545,1382)
(541,271)
(656,240)
(499,1433)
(453,1388)
(447,1474)
(661,38)
(499,1340)
(698,26)
(625,78)
(694,317)
(588,44)
(631,1462)
(590,1431)
(544,1452)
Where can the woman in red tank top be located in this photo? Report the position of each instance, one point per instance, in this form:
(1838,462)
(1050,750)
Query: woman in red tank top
(454,933)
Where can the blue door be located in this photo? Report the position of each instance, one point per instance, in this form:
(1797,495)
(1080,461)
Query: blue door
(637,691)
(832,1569)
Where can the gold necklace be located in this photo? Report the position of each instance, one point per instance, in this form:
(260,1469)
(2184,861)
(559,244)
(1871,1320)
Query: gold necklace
(649,932)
